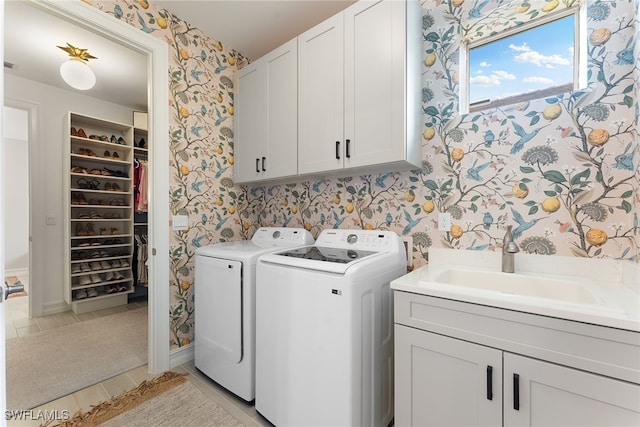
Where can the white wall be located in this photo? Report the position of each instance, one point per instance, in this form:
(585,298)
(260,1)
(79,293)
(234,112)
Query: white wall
(47,174)
(15,171)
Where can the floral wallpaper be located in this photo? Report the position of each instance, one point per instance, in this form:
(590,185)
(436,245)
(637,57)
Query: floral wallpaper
(563,170)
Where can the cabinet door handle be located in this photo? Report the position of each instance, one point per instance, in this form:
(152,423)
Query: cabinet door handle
(348,154)
(338,150)
(258,165)
(516,392)
(489,382)
(263,168)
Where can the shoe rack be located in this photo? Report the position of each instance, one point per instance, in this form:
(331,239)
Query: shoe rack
(140,219)
(99,213)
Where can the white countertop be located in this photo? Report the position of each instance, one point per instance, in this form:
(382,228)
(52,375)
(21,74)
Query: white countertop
(613,286)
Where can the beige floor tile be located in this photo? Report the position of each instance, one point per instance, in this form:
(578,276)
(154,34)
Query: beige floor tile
(10,332)
(66,318)
(89,396)
(48,322)
(116,385)
(66,404)
(27,330)
(22,322)
(85,316)
(140,374)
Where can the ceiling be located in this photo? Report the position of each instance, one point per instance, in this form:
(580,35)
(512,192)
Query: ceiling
(252,27)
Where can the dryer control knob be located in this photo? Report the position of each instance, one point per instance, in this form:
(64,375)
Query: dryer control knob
(352,238)
(276,234)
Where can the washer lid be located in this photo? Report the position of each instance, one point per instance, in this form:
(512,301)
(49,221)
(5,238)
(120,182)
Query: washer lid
(332,260)
(265,240)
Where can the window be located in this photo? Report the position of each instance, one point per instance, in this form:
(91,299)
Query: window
(536,59)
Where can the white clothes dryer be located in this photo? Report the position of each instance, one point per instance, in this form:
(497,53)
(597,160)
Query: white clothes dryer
(324,337)
(225,278)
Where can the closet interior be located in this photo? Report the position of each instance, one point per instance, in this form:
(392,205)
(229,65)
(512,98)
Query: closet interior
(106,213)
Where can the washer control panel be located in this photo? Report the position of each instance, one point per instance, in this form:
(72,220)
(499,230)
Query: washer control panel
(370,240)
(282,235)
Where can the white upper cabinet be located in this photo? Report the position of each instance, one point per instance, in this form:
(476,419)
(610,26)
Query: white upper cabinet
(359,90)
(266,117)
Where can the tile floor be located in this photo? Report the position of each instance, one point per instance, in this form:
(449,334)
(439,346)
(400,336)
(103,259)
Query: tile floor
(18,324)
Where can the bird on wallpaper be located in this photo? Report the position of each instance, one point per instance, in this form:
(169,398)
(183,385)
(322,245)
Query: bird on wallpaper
(389,219)
(474,172)
(204,219)
(203,109)
(203,163)
(220,118)
(270,190)
(380,179)
(337,219)
(196,130)
(322,218)
(221,170)
(410,222)
(524,137)
(487,220)
(473,246)
(624,161)
(144,24)
(476,10)
(203,55)
(117,11)
(488,137)
(196,241)
(221,221)
(196,186)
(196,74)
(522,224)
(286,220)
(220,68)
(316,186)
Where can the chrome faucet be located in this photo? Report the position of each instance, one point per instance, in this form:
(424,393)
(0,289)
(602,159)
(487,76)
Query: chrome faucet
(509,249)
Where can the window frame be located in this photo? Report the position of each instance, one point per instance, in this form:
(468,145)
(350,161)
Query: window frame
(579,60)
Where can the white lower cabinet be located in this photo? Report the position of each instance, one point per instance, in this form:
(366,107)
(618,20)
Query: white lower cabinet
(451,380)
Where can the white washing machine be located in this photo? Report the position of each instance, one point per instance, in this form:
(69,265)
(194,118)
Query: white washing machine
(225,277)
(324,337)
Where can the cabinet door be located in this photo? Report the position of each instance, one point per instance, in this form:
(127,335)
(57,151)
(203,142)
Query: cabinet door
(320,97)
(248,121)
(279,155)
(375,82)
(551,395)
(441,381)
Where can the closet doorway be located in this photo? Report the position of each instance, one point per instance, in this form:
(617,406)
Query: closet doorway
(16,207)
(100,23)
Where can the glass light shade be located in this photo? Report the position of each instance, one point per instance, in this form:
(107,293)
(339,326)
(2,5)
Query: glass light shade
(77,74)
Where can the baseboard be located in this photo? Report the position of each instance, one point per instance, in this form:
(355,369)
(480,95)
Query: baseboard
(181,355)
(55,308)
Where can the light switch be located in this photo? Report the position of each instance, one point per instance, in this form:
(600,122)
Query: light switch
(180,222)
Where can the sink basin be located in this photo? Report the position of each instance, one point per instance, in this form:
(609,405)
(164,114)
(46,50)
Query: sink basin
(560,289)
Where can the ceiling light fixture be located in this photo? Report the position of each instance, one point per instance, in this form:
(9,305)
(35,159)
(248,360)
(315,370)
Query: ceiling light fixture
(76,72)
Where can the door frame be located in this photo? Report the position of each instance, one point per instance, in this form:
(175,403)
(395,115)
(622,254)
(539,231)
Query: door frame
(92,19)
(35,203)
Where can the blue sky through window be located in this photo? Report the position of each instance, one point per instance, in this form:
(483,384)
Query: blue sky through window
(532,60)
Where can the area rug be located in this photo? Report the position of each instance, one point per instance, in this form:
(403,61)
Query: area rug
(56,362)
(168,400)
(12,282)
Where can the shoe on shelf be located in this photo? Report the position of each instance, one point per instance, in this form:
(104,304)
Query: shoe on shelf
(95,215)
(124,263)
(107,154)
(105,265)
(108,186)
(116,155)
(115,263)
(75,269)
(81,133)
(122,287)
(104,231)
(95,265)
(80,230)
(90,230)
(92,293)
(142,143)
(84,281)
(84,266)
(84,215)
(121,141)
(82,151)
(95,278)
(81,294)
(115,187)
(90,153)
(111,289)
(115,231)
(109,276)
(74,131)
